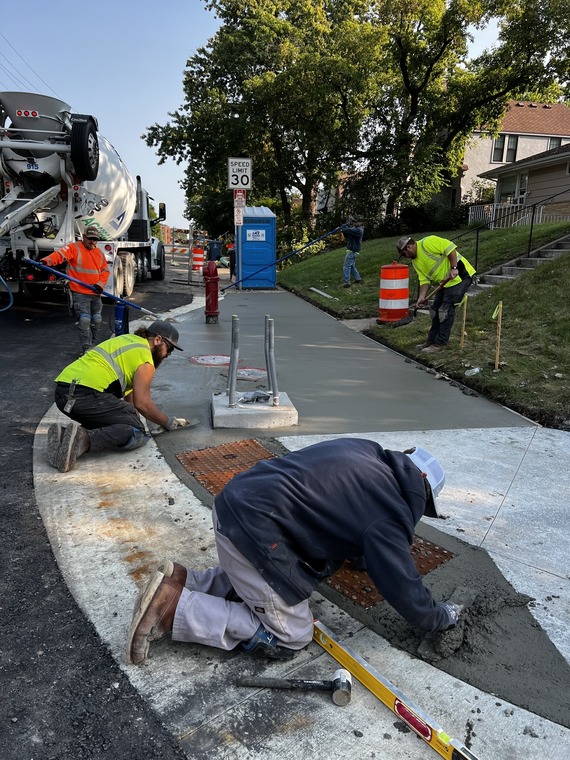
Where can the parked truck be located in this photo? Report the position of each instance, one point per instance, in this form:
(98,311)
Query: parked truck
(59,176)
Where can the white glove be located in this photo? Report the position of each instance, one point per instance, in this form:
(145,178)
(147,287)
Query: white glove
(176,422)
(454,611)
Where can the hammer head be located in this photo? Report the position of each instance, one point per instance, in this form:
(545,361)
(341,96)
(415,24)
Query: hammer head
(341,687)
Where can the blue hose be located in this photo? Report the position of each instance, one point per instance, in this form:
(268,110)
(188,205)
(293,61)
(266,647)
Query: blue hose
(10,296)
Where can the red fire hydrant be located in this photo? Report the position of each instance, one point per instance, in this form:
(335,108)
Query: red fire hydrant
(211,280)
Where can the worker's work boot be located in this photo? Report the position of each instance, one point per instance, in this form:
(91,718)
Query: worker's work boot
(421,346)
(74,443)
(153,616)
(265,644)
(173,570)
(433,348)
(54,437)
(177,573)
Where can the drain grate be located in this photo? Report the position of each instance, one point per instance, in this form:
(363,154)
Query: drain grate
(213,468)
(357,586)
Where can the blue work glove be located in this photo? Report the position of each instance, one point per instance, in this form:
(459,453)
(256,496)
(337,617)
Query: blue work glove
(97,288)
(453,612)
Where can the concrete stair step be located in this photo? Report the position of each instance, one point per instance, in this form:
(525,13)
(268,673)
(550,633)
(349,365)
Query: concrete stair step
(515,271)
(494,279)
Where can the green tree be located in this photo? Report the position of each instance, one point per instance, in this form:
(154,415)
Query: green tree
(379,95)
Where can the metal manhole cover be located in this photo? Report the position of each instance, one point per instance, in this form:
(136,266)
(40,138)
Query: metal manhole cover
(357,585)
(210,360)
(215,467)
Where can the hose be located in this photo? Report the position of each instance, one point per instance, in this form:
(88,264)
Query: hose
(10,295)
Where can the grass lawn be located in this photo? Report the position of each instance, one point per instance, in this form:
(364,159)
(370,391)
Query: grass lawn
(533,374)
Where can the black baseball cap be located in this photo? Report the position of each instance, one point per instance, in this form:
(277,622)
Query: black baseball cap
(167,331)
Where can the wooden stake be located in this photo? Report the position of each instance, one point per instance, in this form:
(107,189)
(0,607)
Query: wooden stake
(462,341)
(499,321)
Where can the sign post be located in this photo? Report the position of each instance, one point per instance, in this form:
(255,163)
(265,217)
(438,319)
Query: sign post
(239,180)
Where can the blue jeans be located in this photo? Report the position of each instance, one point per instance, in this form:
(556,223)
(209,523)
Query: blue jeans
(349,268)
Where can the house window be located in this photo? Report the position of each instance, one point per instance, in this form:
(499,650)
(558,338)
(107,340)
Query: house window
(498,149)
(510,142)
(512,145)
(554,142)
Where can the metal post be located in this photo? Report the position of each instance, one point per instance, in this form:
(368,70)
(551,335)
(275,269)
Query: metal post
(477,230)
(234,358)
(271,371)
(530,233)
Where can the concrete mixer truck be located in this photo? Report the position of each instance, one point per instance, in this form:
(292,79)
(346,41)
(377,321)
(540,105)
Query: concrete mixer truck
(58,175)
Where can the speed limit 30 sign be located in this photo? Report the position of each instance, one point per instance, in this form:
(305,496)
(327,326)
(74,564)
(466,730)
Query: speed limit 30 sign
(239,173)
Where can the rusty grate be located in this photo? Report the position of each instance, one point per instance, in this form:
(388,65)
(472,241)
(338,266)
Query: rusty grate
(215,467)
(357,585)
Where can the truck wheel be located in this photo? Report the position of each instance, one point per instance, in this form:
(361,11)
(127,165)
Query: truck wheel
(85,150)
(118,279)
(129,273)
(142,267)
(160,273)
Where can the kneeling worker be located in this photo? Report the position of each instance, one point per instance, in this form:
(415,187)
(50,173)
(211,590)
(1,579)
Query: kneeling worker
(283,527)
(106,390)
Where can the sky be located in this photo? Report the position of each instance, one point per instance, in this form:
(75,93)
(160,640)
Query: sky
(121,61)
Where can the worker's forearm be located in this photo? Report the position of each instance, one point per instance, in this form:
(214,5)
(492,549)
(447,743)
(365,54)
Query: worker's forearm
(422,293)
(152,413)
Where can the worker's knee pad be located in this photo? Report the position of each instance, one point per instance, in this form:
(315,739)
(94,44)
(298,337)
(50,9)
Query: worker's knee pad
(84,321)
(96,320)
(444,312)
(138,438)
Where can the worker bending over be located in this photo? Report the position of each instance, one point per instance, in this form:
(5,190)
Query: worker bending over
(282,528)
(436,260)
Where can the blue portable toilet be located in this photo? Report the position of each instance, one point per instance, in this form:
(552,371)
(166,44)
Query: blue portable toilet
(257,249)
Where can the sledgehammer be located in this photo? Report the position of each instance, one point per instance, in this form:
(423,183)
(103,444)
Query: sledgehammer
(340,686)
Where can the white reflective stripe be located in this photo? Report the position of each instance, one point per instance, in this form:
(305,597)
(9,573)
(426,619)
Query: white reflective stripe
(111,360)
(397,303)
(394,284)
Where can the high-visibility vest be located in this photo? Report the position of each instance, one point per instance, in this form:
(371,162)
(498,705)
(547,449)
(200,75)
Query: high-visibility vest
(112,362)
(89,266)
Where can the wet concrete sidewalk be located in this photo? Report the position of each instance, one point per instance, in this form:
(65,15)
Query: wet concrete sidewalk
(112,518)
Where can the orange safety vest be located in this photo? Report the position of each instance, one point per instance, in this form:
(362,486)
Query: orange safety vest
(88,266)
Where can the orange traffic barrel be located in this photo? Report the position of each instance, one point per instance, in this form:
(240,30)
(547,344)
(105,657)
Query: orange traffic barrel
(197,258)
(394,300)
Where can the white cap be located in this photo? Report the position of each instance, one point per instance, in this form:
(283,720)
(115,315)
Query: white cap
(434,473)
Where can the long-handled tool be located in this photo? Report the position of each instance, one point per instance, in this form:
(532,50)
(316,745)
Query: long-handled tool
(340,686)
(65,276)
(431,294)
(418,720)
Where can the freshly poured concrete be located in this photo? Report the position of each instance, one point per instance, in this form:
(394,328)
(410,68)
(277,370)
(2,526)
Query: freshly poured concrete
(113,517)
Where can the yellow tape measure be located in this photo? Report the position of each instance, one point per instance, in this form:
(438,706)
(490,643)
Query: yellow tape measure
(418,720)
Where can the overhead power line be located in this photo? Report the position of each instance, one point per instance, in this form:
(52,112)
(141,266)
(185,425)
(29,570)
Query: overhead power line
(19,72)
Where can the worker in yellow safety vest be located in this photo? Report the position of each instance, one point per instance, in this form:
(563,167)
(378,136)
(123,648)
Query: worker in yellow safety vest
(438,262)
(106,390)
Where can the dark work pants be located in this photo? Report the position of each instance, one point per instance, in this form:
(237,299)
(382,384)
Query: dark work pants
(112,422)
(442,311)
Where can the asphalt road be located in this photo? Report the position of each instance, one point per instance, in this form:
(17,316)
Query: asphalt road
(64,696)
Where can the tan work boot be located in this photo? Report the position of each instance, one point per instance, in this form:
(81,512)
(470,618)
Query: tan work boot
(153,617)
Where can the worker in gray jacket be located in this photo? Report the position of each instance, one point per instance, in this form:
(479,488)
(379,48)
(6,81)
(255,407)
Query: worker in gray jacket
(284,526)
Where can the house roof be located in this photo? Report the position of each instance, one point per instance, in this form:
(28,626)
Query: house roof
(527,118)
(546,158)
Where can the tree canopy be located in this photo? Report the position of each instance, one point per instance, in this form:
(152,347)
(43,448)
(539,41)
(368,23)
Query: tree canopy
(380,94)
